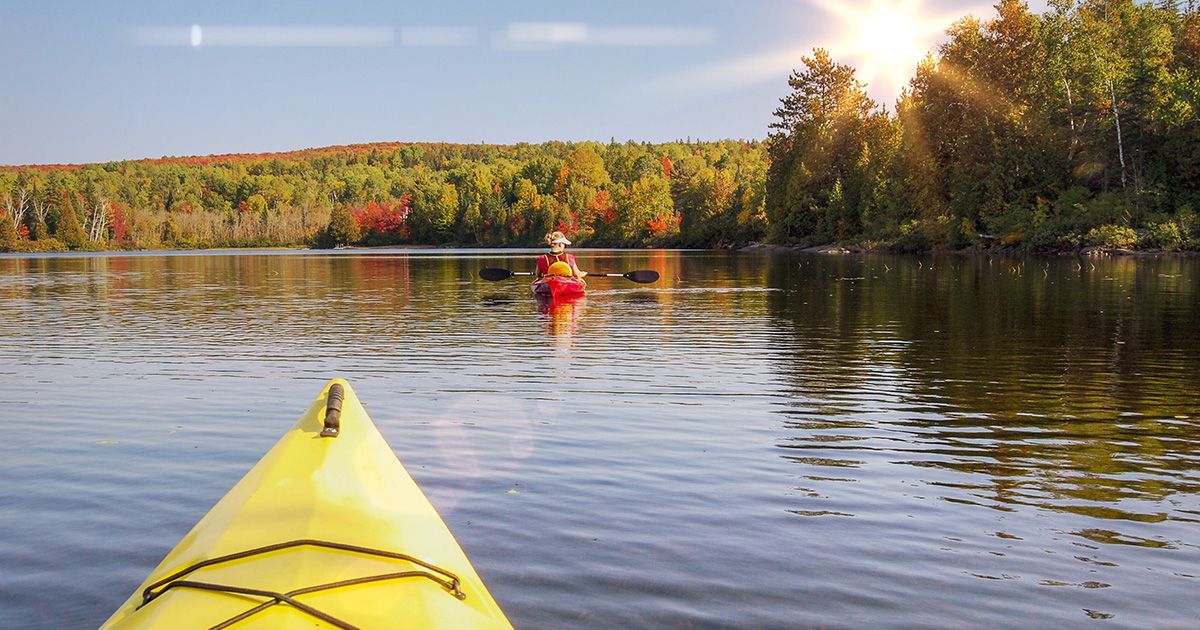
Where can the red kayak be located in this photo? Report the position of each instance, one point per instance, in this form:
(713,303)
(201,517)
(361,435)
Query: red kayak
(558,287)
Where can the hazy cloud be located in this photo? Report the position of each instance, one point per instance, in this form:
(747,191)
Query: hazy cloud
(438,36)
(536,35)
(266,36)
(553,34)
(732,75)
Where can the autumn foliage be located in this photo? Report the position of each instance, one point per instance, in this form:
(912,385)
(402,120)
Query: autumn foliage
(660,226)
(602,208)
(394,193)
(384,223)
(116,223)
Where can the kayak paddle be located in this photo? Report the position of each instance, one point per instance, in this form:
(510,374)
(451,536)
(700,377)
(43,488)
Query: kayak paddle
(493,274)
(643,276)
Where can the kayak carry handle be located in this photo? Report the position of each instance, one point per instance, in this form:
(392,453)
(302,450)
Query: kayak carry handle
(333,411)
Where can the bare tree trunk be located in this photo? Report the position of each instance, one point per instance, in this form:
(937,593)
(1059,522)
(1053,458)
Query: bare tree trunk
(1071,118)
(41,210)
(1120,143)
(22,205)
(98,219)
(15,207)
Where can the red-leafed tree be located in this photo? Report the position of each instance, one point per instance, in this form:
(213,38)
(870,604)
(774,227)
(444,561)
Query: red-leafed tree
(667,166)
(117,224)
(384,223)
(568,222)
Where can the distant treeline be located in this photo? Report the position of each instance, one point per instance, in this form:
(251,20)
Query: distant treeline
(1045,132)
(619,194)
(1074,128)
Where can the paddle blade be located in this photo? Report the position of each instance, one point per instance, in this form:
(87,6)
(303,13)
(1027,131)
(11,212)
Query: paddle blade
(494,274)
(643,276)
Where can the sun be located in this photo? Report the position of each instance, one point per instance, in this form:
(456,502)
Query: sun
(883,39)
(890,38)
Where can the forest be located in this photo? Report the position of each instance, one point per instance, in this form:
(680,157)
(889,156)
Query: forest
(1078,127)
(623,194)
(1074,128)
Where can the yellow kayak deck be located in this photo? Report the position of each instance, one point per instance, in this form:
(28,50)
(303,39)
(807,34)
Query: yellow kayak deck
(323,532)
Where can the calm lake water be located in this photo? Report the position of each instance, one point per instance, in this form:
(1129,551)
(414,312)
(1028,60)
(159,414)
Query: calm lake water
(758,440)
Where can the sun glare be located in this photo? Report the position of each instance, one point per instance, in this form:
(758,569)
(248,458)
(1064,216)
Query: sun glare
(883,39)
(889,38)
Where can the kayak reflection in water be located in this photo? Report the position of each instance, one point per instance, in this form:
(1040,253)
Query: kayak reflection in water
(561,316)
(558,262)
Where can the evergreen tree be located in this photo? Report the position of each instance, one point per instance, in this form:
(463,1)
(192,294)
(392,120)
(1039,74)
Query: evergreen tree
(68,229)
(829,138)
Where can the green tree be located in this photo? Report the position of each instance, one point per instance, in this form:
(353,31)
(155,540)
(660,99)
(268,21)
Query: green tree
(586,167)
(68,229)
(8,234)
(342,230)
(521,216)
(475,184)
(435,207)
(828,135)
(646,203)
(704,199)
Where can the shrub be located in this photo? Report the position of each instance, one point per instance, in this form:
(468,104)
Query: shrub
(47,245)
(1165,236)
(962,234)
(1185,218)
(912,238)
(1051,235)
(1108,208)
(1112,236)
(1072,204)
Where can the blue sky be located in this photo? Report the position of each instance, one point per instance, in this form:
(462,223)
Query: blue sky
(88,82)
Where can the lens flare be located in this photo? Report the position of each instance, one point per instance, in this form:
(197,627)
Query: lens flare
(883,39)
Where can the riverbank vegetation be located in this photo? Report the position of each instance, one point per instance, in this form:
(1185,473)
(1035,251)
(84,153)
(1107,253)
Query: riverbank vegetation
(1076,128)
(623,194)
(1079,127)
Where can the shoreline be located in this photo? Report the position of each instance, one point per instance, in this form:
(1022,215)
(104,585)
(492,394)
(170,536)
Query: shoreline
(831,249)
(828,249)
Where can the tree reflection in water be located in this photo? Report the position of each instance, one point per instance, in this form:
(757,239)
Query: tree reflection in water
(1065,385)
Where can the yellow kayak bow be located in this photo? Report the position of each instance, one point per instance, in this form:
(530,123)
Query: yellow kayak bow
(328,530)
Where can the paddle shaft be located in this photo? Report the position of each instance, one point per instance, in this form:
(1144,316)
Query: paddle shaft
(643,276)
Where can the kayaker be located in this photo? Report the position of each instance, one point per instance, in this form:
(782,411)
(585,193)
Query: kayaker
(553,264)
